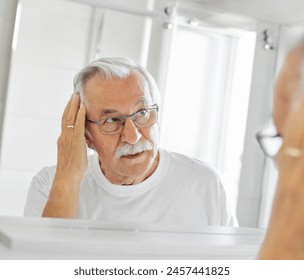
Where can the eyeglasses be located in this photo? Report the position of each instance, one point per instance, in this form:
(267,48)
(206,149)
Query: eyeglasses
(142,118)
(270,141)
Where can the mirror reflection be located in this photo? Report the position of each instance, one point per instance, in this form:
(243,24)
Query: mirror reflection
(215,93)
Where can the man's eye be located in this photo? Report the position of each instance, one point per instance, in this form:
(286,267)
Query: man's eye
(112,120)
(142,113)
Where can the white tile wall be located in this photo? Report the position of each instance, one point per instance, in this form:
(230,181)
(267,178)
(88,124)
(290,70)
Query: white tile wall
(29,143)
(39,90)
(55,38)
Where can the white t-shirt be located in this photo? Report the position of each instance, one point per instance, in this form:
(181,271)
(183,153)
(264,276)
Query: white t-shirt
(181,191)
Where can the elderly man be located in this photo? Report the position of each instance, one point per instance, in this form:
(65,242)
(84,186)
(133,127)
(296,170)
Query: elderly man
(285,234)
(114,110)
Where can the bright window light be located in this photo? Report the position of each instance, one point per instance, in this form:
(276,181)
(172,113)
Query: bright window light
(206,100)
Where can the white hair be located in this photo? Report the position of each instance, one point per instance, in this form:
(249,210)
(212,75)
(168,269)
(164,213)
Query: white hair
(112,68)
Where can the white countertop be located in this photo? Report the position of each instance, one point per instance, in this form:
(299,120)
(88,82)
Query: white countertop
(45,238)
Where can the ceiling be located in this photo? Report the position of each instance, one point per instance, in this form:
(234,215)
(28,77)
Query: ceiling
(272,11)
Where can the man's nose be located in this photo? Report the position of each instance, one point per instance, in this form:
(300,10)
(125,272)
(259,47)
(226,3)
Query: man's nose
(130,133)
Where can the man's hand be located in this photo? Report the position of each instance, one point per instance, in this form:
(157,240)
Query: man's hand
(63,199)
(72,156)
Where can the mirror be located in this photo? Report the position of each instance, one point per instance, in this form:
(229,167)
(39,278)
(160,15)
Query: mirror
(207,62)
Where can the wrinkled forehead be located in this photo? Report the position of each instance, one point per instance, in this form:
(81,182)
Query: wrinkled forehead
(132,81)
(116,95)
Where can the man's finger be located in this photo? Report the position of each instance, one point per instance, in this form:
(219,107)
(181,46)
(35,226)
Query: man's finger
(65,113)
(73,109)
(81,116)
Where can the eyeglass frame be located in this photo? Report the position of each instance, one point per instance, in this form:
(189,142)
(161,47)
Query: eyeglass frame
(124,117)
(259,137)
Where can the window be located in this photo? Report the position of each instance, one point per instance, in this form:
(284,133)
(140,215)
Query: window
(206,99)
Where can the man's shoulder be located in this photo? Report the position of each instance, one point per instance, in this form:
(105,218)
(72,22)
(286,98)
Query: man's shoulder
(190,165)
(46,172)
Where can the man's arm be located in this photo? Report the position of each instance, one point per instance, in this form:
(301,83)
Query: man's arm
(63,200)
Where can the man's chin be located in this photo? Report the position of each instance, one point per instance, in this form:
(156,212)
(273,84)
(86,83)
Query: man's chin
(137,164)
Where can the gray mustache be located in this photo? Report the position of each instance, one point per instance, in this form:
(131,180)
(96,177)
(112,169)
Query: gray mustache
(128,149)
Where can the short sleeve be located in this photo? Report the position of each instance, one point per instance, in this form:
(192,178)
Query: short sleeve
(38,194)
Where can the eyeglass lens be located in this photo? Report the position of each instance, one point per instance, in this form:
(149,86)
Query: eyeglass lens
(143,118)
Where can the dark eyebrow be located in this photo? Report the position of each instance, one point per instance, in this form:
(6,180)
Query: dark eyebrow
(107,112)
